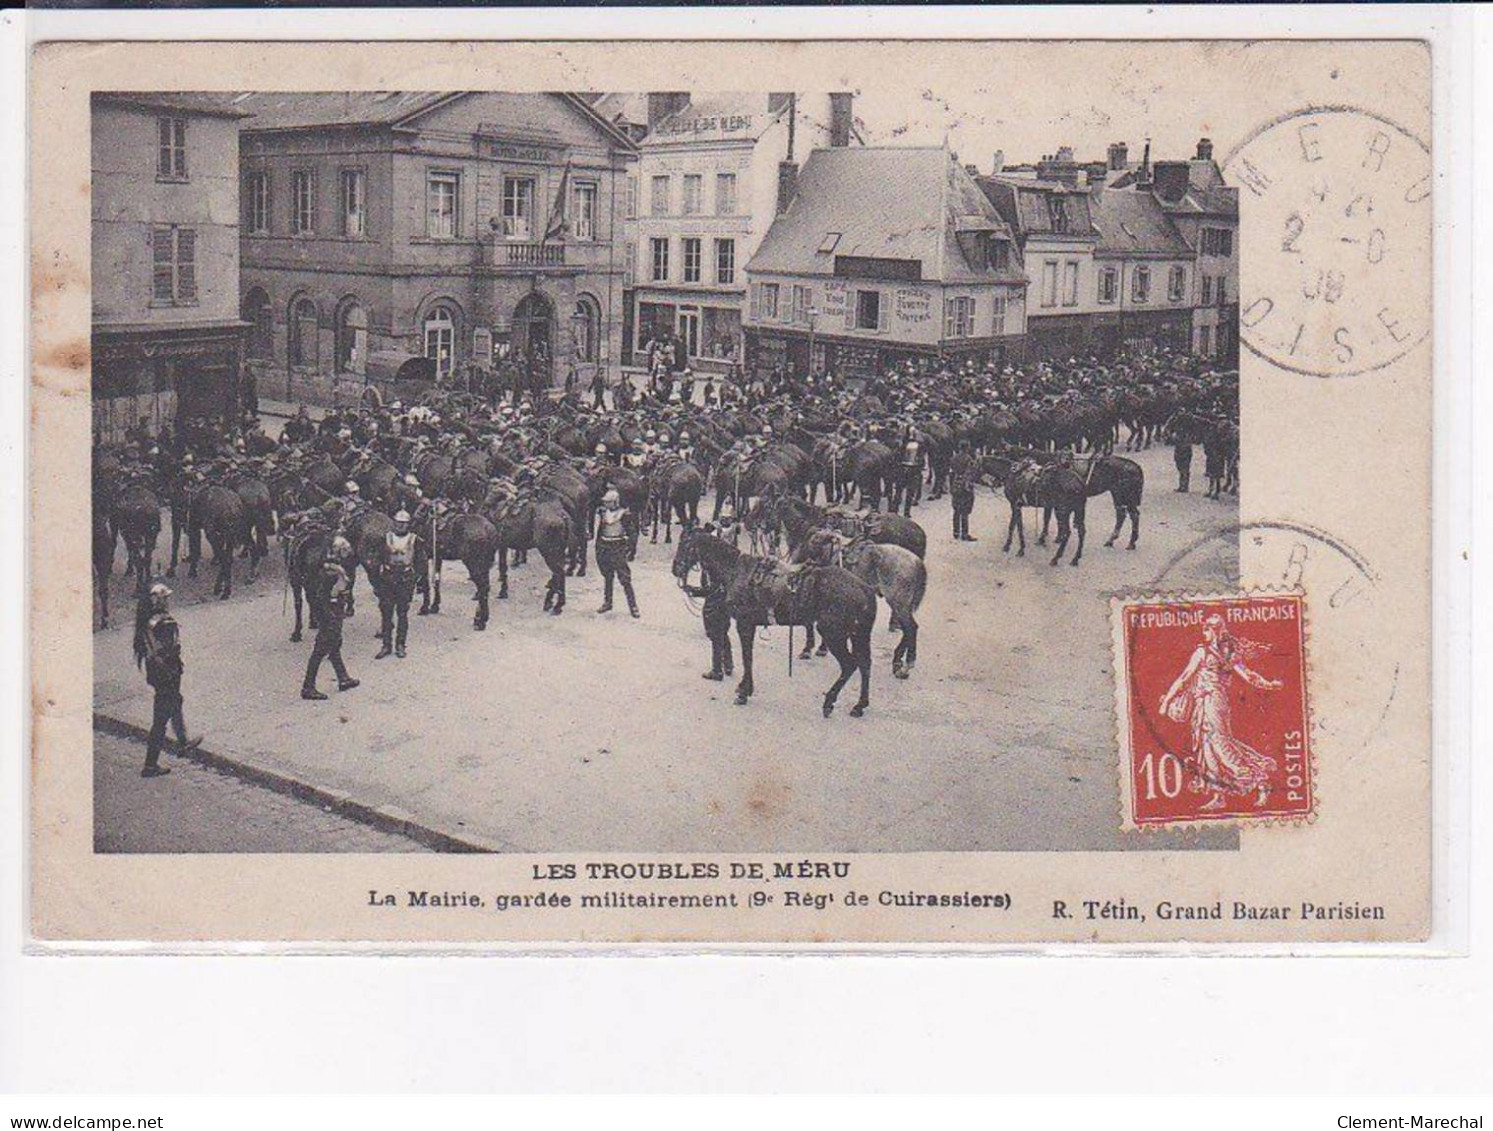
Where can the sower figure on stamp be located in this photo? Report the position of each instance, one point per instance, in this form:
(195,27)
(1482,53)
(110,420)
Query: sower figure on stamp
(1221,762)
(158,647)
(963,471)
(397,585)
(616,526)
(333,591)
(716,617)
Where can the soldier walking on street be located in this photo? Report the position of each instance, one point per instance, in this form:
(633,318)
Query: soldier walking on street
(333,591)
(963,471)
(158,647)
(397,585)
(615,529)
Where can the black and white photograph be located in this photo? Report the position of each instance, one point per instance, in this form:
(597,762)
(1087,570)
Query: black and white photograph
(683,471)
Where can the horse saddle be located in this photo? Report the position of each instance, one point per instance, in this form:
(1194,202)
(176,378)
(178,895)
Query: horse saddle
(1028,481)
(775,585)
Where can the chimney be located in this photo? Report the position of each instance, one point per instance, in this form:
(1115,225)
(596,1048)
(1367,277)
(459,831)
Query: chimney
(1143,174)
(1171,180)
(998,162)
(1205,149)
(841,118)
(787,185)
(972,169)
(661,105)
(1118,152)
(1065,153)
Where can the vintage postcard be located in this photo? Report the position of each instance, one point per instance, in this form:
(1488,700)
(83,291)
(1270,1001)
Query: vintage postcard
(732,492)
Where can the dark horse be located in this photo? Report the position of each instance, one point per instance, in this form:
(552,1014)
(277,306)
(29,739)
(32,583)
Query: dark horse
(1123,480)
(469,539)
(761,591)
(1028,484)
(219,512)
(537,521)
(304,557)
(676,489)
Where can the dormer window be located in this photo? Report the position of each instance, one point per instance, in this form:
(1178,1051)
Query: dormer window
(831,241)
(1057,210)
(1000,255)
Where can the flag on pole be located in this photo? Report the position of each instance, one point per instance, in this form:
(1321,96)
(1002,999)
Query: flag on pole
(555,226)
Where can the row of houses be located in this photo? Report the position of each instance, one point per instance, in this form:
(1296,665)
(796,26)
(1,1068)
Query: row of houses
(321,240)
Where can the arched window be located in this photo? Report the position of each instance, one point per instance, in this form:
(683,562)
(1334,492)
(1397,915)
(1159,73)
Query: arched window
(440,338)
(352,338)
(303,334)
(585,324)
(255,310)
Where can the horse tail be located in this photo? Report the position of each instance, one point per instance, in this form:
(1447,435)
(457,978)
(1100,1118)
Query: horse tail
(919,584)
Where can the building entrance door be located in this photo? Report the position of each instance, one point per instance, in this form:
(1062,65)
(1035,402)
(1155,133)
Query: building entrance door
(533,337)
(688,328)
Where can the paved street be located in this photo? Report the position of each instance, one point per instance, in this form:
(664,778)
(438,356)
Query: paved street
(597,733)
(196,809)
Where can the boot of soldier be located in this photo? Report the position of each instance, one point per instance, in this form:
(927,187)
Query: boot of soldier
(384,649)
(312,693)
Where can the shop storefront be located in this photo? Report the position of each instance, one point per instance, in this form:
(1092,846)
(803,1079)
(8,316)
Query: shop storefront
(164,375)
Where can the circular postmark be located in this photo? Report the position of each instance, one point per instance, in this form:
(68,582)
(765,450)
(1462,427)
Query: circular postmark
(1352,681)
(1336,204)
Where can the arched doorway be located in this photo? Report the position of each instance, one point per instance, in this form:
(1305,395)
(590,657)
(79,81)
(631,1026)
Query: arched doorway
(440,339)
(303,351)
(534,337)
(255,310)
(352,338)
(585,328)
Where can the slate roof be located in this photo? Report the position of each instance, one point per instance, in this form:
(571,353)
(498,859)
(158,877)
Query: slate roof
(289,110)
(886,203)
(1026,200)
(1132,222)
(187,102)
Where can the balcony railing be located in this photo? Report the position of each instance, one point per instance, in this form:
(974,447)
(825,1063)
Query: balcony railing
(535,254)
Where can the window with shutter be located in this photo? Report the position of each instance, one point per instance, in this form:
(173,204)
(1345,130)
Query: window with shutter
(164,282)
(186,265)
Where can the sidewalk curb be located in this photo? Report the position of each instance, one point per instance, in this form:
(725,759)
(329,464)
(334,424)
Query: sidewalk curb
(384,818)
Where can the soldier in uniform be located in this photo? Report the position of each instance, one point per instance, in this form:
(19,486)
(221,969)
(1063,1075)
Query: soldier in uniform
(615,528)
(333,591)
(716,619)
(1182,457)
(912,471)
(963,471)
(397,586)
(158,647)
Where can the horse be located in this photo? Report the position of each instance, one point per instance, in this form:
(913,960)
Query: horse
(470,539)
(571,488)
(1027,484)
(220,512)
(304,557)
(366,536)
(537,521)
(136,517)
(259,513)
(799,519)
(1123,480)
(898,575)
(676,489)
(762,591)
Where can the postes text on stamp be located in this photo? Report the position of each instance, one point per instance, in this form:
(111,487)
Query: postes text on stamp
(1213,709)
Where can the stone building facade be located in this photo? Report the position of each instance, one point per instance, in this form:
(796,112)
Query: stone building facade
(452,231)
(167,338)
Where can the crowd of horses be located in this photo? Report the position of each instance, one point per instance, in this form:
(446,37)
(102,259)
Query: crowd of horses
(488,487)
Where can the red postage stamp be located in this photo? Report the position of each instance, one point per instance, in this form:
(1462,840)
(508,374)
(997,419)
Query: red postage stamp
(1212,700)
